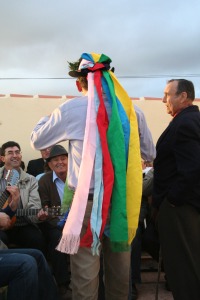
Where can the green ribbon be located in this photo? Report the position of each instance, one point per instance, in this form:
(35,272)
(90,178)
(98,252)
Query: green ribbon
(67,198)
(116,143)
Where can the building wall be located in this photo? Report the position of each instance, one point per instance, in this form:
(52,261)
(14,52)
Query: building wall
(19,114)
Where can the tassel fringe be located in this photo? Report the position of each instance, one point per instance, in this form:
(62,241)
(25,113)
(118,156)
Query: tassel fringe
(69,244)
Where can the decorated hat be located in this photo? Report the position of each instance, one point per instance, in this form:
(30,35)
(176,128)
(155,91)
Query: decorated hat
(86,64)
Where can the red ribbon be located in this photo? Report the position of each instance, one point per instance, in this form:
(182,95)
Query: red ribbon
(108,172)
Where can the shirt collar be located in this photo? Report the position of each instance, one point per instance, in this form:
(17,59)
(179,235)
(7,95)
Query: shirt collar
(54,176)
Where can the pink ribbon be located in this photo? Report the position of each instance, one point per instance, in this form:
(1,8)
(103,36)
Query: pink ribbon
(70,240)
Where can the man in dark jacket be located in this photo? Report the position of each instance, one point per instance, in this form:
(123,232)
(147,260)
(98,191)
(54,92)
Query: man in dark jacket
(177,190)
(37,166)
(51,190)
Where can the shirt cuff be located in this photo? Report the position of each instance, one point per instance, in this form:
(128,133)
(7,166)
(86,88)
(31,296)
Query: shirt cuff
(9,211)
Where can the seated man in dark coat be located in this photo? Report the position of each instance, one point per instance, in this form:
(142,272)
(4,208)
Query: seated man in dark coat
(51,190)
(37,166)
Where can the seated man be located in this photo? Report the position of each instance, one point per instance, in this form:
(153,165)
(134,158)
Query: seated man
(37,166)
(51,190)
(25,232)
(27,275)
(24,271)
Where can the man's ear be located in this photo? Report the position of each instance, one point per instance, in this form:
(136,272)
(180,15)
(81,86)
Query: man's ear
(3,158)
(79,87)
(183,97)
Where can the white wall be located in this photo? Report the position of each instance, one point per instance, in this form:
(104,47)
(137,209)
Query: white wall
(18,116)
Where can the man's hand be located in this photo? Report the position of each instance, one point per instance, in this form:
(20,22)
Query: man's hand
(42,215)
(5,221)
(14,197)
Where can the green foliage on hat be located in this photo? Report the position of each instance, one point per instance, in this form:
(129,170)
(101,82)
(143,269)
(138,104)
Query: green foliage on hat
(73,66)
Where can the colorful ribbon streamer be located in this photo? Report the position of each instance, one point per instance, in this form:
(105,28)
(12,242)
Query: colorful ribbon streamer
(115,149)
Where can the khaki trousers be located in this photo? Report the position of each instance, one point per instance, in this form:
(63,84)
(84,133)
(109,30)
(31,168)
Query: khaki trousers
(85,270)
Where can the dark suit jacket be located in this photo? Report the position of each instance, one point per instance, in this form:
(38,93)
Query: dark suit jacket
(48,194)
(35,166)
(48,191)
(177,164)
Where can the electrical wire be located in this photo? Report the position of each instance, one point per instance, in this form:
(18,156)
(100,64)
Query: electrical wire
(119,76)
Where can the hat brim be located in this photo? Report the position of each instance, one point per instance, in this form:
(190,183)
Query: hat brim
(76,74)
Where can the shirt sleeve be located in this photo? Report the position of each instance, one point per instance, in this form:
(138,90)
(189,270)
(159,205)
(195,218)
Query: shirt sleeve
(49,130)
(147,148)
(7,210)
(147,187)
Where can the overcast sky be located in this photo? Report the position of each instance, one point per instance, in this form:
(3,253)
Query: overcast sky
(144,39)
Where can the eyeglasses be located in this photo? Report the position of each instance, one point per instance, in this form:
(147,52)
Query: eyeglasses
(11,153)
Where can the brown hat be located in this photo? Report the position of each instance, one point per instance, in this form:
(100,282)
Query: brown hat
(75,71)
(56,150)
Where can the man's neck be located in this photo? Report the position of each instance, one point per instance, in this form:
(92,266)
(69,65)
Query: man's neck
(10,168)
(62,176)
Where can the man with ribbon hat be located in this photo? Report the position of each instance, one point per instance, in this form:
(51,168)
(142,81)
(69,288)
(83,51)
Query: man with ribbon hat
(104,170)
